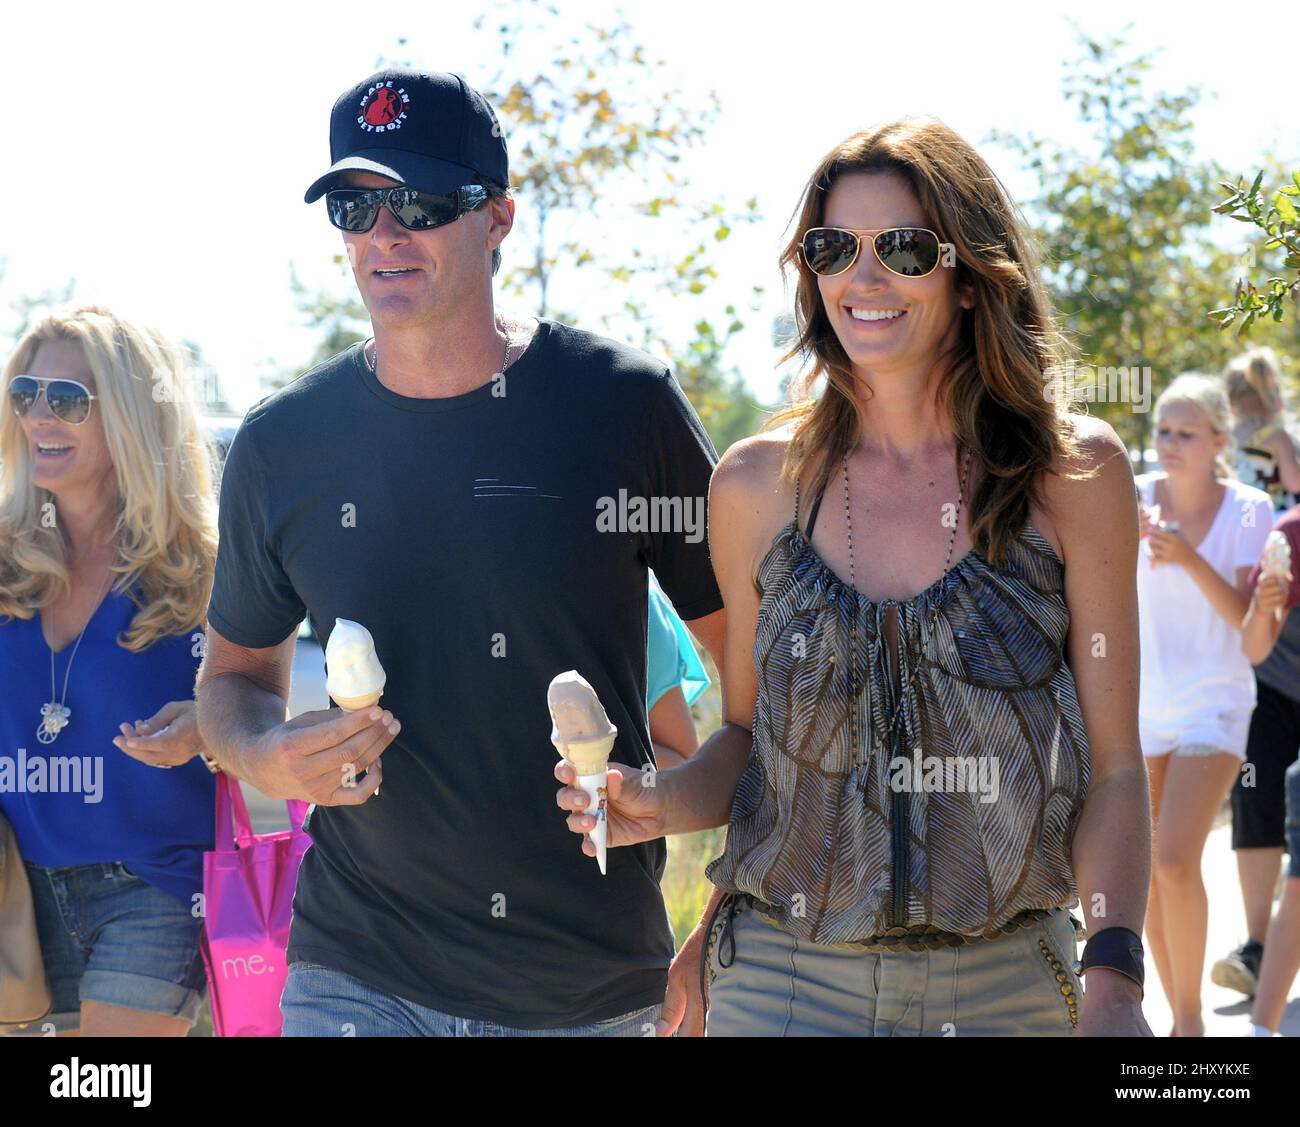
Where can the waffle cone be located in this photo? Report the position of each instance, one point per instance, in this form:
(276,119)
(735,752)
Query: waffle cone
(356,704)
(588,757)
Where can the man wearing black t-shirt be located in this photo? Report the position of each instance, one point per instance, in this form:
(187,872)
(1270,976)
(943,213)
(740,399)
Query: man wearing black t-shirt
(485,498)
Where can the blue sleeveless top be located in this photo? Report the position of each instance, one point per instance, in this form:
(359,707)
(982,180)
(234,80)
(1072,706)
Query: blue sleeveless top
(79,800)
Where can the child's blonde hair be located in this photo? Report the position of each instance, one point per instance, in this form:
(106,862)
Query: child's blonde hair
(1207,393)
(1255,377)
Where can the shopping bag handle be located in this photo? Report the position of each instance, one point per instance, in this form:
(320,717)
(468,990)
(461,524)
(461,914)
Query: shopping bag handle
(232,812)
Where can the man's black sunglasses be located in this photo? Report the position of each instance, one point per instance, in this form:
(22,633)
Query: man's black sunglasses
(356,209)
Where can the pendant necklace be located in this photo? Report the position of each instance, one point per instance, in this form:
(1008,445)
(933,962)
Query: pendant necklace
(56,714)
(858,775)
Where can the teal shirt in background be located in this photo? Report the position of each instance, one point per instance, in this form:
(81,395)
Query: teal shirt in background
(672,659)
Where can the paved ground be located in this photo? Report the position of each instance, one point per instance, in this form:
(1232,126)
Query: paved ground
(1227,1013)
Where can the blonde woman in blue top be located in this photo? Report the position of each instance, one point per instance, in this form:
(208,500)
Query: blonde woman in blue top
(107,545)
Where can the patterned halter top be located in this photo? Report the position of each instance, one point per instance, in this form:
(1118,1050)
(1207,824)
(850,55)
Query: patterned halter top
(966,819)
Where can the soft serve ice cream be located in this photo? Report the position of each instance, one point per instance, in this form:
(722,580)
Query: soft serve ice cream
(583,735)
(1276,559)
(355,679)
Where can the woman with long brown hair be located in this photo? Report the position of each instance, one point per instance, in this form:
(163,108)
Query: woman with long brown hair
(921,770)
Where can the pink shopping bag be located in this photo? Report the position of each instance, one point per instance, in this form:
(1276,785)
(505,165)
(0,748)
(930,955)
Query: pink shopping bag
(248,883)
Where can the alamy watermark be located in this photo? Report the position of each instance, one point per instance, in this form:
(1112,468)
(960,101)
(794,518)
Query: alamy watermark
(954,774)
(626,513)
(53,774)
(1071,382)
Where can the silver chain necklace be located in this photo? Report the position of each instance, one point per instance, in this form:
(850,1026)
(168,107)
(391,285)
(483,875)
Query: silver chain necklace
(858,775)
(372,357)
(56,714)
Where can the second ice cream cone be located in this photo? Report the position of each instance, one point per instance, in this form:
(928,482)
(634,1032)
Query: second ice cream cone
(583,735)
(590,760)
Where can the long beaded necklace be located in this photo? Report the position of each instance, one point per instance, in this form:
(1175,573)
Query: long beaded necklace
(858,775)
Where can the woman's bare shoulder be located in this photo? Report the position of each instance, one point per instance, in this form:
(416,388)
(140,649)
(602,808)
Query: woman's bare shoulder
(1092,493)
(1097,447)
(749,473)
(749,503)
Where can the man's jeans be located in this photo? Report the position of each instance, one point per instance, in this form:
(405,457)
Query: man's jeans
(322,1002)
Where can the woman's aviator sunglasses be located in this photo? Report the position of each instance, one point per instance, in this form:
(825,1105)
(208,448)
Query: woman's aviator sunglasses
(356,209)
(68,400)
(912,252)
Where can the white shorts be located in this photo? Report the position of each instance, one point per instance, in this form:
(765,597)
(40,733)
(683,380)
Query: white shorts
(1206,733)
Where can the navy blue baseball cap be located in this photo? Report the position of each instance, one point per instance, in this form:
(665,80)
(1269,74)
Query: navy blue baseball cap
(434,132)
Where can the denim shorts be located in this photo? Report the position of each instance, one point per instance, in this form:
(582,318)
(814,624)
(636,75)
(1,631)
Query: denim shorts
(108,936)
(320,1001)
(767,982)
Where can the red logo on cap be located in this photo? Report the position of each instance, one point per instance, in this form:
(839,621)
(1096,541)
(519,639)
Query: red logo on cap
(383,108)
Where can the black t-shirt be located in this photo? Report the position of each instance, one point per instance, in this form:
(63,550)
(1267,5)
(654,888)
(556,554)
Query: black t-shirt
(488,541)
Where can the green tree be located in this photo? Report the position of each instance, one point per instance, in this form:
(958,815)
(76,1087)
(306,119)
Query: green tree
(591,152)
(340,320)
(1128,254)
(716,391)
(1275,214)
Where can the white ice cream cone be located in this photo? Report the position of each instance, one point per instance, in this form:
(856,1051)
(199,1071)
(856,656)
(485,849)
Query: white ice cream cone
(589,760)
(583,735)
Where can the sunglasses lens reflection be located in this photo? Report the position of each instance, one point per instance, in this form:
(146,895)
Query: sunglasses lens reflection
(420,211)
(68,401)
(23,391)
(829,251)
(352,211)
(909,251)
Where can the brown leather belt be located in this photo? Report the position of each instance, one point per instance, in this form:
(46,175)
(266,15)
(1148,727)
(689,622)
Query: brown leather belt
(918,937)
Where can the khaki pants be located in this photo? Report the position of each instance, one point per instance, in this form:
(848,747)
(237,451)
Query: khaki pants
(776,985)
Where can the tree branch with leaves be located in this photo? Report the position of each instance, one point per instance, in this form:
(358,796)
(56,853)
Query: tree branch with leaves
(1276,215)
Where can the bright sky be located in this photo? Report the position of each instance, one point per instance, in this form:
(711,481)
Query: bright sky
(186,135)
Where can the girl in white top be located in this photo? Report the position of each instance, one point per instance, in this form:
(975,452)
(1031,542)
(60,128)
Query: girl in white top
(1203,532)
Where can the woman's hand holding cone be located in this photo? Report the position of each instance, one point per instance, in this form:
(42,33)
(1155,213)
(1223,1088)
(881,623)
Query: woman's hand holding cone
(634,805)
